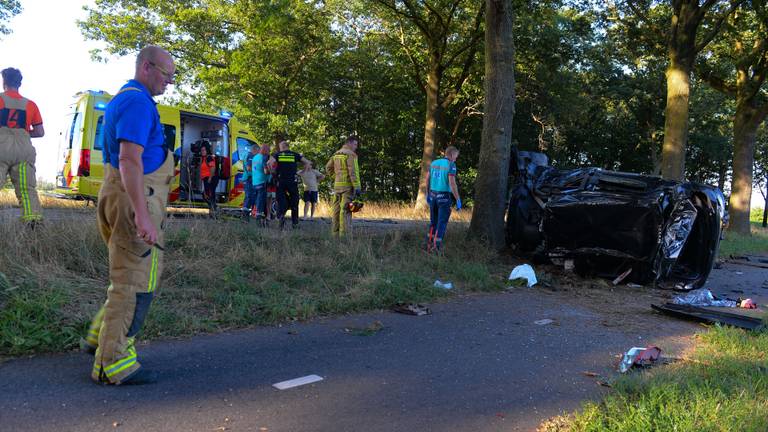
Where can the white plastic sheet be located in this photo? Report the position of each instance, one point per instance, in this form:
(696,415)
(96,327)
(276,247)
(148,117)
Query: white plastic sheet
(524,271)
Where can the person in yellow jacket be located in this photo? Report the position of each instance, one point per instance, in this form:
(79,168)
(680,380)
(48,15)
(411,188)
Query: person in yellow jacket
(20,120)
(346,184)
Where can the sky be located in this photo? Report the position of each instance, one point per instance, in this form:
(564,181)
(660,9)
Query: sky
(54,59)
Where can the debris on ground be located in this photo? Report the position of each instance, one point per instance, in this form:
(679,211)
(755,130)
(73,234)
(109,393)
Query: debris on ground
(696,313)
(443,285)
(524,272)
(411,309)
(296,382)
(748,304)
(704,297)
(622,276)
(749,260)
(544,321)
(639,356)
(368,330)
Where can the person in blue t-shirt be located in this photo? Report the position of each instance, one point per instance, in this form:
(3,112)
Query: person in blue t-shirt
(138,169)
(441,184)
(259,179)
(250,199)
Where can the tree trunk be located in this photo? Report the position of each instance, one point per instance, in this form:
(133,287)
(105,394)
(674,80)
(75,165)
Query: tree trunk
(431,123)
(765,207)
(493,168)
(745,125)
(676,121)
(681,49)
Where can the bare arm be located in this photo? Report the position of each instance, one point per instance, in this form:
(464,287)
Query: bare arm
(132,175)
(37,131)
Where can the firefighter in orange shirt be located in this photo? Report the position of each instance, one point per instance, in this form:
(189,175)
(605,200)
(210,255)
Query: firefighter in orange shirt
(20,120)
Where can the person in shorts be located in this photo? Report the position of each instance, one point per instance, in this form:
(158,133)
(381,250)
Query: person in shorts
(310,177)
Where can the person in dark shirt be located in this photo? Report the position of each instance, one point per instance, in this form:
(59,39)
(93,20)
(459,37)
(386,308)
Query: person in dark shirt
(284,163)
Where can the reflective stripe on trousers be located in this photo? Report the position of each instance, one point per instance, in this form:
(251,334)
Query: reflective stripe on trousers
(134,270)
(17,159)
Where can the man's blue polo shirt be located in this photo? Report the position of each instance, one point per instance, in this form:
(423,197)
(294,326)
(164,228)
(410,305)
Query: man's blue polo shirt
(132,116)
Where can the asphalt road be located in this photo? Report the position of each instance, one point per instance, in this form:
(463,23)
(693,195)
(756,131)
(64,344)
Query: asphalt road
(477,363)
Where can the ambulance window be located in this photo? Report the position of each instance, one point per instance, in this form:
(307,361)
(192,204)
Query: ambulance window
(98,143)
(71,121)
(170,136)
(76,134)
(243,147)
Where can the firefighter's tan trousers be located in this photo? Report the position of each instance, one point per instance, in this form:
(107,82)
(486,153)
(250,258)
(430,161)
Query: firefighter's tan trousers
(134,271)
(342,218)
(17,158)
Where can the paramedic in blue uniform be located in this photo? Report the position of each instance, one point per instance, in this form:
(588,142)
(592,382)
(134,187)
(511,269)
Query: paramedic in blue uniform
(443,191)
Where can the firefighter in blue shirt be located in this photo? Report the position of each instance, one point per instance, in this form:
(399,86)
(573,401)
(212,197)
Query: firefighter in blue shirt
(441,183)
(138,169)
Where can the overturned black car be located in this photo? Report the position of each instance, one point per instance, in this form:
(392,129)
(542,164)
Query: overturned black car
(623,226)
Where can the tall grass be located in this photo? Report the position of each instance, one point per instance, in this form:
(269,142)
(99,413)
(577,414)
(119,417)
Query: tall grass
(737,244)
(220,275)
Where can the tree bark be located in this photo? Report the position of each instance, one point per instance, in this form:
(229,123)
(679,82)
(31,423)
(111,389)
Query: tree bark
(493,168)
(681,48)
(745,124)
(676,122)
(431,126)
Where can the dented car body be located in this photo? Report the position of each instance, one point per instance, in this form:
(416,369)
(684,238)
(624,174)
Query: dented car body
(632,227)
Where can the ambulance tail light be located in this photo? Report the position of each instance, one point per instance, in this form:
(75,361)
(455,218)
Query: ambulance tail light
(84,169)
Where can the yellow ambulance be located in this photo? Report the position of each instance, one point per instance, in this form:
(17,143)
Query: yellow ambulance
(185,132)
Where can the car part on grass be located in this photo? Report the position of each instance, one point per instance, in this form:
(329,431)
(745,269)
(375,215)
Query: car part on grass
(665,232)
(696,313)
(639,356)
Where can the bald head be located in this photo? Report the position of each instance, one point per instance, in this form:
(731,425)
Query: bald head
(155,69)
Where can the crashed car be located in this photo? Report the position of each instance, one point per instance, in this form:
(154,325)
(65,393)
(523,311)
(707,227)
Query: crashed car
(623,226)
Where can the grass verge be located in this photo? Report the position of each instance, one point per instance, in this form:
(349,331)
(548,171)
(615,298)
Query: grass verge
(723,386)
(221,275)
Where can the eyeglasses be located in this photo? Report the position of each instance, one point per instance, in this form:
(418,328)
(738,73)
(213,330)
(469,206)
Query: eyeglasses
(168,76)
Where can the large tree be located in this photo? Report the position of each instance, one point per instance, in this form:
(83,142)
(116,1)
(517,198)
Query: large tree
(8,9)
(744,50)
(692,26)
(265,61)
(440,38)
(493,169)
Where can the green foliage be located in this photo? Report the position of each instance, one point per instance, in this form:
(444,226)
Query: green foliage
(8,9)
(590,84)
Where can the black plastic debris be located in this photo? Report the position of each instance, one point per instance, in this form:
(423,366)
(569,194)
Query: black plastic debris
(411,309)
(621,226)
(696,313)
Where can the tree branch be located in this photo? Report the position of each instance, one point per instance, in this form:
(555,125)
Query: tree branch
(718,22)
(716,82)
(474,39)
